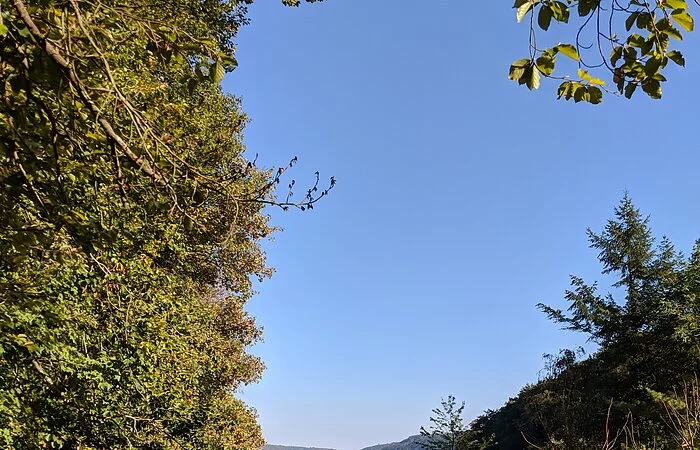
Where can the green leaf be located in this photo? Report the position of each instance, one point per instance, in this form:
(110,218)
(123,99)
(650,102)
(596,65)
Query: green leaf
(664,41)
(629,54)
(563,89)
(652,88)
(665,26)
(560,11)
(586,6)
(595,95)
(676,57)
(631,20)
(652,65)
(216,71)
(3,30)
(629,90)
(571,89)
(644,21)
(544,18)
(533,81)
(229,60)
(674,33)
(568,50)
(636,40)
(615,55)
(518,68)
(522,11)
(683,19)
(545,64)
(192,84)
(647,47)
(676,4)
(584,75)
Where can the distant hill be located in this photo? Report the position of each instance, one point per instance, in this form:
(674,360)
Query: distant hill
(411,443)
(290,447)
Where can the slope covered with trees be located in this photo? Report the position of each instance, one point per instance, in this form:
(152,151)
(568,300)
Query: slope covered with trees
(639,390)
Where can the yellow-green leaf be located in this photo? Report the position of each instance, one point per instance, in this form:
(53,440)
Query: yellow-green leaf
(584,75)
(533,82)
(522,11)
(568,50)
(517,69)
(683,19)
(676,4)
(216,72)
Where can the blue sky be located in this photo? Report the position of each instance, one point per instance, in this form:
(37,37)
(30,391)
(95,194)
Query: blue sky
(462,201)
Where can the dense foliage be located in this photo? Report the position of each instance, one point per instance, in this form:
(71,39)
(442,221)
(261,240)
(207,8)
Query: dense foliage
(639,389)
(130,227)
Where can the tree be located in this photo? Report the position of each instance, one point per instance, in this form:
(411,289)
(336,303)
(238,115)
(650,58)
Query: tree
(652,310)
(130,228)
(648,344)
(631,40)
(447,431)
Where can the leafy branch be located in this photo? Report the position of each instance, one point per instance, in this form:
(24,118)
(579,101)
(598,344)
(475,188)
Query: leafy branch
(634,59)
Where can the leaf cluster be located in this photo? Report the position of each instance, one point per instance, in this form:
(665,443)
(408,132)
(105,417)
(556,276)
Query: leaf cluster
(634,58)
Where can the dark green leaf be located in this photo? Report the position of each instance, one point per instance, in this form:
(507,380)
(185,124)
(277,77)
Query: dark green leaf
(544,18)
(630,20)
(652,88)
(595,95)
(676,57)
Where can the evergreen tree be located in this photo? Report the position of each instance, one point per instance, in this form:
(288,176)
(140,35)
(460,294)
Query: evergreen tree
(647,333)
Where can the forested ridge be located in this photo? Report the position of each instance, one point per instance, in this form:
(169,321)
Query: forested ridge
(639,388)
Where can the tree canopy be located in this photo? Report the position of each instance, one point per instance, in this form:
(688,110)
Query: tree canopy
(131,227)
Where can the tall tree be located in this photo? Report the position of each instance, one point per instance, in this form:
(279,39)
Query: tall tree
(130,228)
(648,349)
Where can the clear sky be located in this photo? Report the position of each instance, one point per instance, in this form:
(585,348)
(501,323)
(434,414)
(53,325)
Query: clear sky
(462,201)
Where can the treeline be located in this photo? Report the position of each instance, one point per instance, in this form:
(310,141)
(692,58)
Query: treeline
(639,390)
(130,227)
